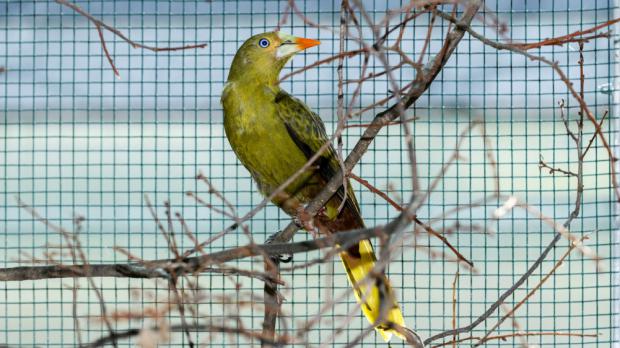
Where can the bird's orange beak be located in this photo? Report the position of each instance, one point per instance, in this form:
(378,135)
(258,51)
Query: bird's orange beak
(303,43)
(293,44)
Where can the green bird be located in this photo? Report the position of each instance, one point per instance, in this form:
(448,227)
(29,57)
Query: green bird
(274,134)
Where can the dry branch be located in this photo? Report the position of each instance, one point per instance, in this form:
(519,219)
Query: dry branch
(563,78)
(530,293)
(543,165)
(579,187)
(182,265)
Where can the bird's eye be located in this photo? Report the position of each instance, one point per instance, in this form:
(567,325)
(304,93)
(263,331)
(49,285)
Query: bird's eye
(264,43)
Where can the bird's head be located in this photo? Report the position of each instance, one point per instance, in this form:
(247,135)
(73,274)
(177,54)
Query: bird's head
(262,57)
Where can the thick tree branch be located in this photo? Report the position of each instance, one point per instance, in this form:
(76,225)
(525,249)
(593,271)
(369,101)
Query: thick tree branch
(163,268)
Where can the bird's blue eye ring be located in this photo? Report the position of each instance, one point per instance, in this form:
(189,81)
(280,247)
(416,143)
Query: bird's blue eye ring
(264,43)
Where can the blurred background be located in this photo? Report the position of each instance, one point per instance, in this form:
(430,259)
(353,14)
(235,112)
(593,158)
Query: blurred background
(77,140)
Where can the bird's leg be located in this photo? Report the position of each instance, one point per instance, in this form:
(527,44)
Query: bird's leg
(306,221)
(298,223)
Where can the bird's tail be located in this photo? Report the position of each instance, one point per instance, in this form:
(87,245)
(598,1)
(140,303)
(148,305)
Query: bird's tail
(372,291)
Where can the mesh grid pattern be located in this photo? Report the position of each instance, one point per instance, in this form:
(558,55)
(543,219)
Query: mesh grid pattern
(75,140)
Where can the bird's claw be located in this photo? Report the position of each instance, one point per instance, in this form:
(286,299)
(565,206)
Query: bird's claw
(282,258)
(286,258)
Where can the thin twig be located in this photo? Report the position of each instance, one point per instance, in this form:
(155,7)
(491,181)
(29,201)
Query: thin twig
(100,24)
(454,301)
(543,165)
(347,54)
(568,37)
(426,227)
(105,50)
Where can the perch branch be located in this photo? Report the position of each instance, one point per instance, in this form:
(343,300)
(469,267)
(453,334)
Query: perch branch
(163,268)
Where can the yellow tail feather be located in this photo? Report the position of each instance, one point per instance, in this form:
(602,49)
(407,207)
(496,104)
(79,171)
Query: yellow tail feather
(358,266)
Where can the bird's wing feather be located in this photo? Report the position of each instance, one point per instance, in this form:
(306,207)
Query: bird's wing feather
(307,131)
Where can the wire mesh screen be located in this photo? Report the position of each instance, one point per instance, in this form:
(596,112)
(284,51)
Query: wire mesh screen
(97,133)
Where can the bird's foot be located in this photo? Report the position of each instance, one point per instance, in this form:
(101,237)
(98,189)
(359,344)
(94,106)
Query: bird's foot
(282,258)
(285,258)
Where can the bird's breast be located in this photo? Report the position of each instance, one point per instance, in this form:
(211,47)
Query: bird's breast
(260,140)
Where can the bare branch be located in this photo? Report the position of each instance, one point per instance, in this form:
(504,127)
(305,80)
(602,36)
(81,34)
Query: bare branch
(563,77)
(579,189)
(531,292)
